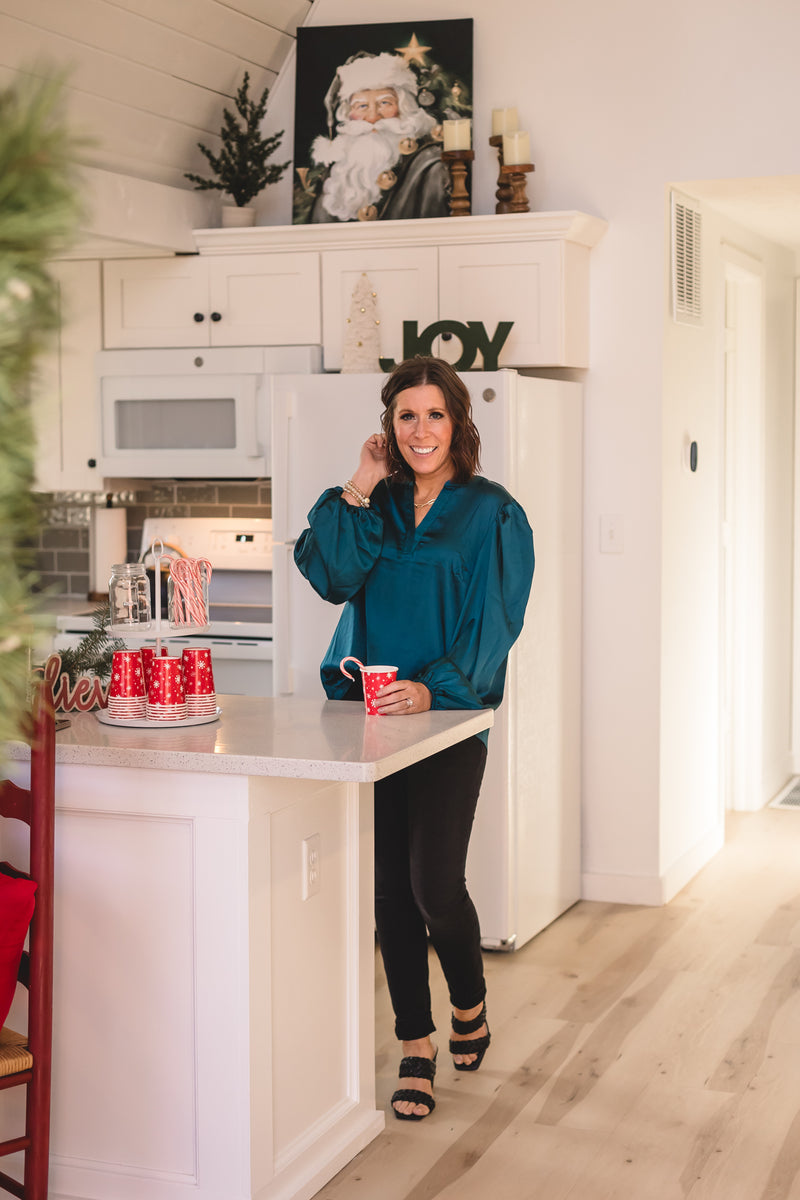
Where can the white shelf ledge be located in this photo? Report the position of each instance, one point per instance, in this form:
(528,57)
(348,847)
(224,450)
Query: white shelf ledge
(572,226)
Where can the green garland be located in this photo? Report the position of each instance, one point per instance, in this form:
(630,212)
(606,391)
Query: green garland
(39,210)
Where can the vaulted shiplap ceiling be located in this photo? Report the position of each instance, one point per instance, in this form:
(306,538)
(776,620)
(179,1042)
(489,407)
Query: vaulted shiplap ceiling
(148,79)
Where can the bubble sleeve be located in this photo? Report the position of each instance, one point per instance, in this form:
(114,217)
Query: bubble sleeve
(471,674)
(340,547)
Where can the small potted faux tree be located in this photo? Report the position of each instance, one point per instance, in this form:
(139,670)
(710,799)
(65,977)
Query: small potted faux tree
(241,167)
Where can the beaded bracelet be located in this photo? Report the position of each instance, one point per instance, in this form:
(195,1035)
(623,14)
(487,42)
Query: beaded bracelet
(351,488)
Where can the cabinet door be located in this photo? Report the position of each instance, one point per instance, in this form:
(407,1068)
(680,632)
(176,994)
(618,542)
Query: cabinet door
(156,302)
(264,299)
(64,395)
(405,281)
(524,282)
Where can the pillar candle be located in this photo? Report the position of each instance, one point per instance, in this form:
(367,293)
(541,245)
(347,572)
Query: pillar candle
(457,135)
(516,148)
(504,120)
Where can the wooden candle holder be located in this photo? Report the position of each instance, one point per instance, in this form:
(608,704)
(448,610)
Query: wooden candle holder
(515,174)
(456,163)
(504,193)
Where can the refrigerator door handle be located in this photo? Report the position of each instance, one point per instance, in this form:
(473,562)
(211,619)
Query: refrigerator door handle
(283,675)
(282,413)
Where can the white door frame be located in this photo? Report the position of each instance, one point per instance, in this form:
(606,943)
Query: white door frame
(796,591)
(742,535)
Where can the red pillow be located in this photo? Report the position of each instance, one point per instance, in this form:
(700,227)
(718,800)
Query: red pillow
(16,910)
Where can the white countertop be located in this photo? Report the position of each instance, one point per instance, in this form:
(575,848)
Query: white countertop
(291,738)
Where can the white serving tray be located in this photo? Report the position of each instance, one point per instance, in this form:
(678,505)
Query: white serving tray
(143,723)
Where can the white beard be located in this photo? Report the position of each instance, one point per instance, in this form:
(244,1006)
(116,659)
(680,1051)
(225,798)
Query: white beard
(358,154)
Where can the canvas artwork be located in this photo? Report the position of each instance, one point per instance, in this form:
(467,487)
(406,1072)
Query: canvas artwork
(369,106)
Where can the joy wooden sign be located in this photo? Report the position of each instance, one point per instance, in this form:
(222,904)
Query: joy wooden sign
(472,335)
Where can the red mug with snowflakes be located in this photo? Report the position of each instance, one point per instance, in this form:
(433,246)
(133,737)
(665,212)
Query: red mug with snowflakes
(198,678)
(373,679)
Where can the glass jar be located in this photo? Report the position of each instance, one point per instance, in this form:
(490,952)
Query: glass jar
(129,598)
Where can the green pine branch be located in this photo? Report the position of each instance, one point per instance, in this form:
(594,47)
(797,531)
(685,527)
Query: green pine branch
(39,210)
(94,653)
(241,167)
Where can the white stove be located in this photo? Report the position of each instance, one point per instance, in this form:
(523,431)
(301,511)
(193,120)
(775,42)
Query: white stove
(240,597)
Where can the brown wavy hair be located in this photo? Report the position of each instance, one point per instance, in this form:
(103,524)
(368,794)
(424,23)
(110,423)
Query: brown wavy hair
(465,447)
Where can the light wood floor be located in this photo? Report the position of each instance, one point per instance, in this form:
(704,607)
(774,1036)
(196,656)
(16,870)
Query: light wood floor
(637,1053)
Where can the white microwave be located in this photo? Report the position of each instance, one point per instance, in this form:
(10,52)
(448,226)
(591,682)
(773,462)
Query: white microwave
(190,413)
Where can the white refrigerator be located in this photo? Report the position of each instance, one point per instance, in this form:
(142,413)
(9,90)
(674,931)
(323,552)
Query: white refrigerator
(524,863)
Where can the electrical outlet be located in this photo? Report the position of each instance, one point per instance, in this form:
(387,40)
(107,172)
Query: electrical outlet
(311,866)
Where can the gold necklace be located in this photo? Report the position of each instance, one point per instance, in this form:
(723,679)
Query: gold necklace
(427,502)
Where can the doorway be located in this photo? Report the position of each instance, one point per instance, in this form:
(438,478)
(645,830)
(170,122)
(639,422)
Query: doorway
(742,535)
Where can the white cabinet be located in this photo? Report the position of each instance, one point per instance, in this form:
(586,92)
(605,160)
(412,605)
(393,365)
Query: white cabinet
(480,270)
(542,286)
(232,300)
(405,280)
(64,412)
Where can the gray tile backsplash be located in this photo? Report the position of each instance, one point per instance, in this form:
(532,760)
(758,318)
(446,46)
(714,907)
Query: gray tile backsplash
(62,554)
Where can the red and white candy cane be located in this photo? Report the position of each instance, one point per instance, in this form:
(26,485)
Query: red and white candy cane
(189,606)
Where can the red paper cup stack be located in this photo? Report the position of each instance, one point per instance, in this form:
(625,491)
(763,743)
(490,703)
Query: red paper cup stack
(126,692)
(198,677)
(166,696)
(148,654)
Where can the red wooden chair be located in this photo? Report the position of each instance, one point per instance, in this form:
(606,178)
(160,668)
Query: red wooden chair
(25,1059)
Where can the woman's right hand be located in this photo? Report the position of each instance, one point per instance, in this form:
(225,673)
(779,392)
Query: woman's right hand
(372,464)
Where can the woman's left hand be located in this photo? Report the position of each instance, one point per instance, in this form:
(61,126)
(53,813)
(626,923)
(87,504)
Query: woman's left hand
(401,697)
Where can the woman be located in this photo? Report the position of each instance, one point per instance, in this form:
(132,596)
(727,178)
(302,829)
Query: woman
(435,563)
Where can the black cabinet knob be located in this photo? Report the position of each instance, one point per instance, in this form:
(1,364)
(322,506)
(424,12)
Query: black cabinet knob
(91,462)
(216,316)
(199,317)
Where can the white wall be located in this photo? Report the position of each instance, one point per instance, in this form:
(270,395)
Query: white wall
(620,99)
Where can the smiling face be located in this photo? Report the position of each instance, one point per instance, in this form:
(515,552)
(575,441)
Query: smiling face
(373,104)
(423,429)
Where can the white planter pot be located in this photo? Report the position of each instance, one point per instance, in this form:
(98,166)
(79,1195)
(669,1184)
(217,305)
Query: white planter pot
(234,217)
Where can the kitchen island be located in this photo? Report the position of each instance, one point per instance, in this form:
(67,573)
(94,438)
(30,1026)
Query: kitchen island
(214,973)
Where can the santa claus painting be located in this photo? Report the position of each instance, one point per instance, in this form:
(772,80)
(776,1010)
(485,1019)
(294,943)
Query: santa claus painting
(379,154)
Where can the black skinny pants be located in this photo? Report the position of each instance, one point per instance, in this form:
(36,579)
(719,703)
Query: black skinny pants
(423,821)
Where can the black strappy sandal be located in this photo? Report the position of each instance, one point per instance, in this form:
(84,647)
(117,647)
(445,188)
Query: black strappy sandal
(415,1068)
(477,1046)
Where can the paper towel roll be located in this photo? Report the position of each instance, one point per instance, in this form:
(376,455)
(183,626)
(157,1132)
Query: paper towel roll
(109,545)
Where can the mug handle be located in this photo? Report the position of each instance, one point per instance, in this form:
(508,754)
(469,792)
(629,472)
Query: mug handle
(349,658)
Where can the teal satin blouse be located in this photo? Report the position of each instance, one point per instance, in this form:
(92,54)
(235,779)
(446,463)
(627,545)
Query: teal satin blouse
(443,601)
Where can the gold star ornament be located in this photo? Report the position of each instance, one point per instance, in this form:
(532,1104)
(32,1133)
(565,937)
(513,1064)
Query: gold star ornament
(413,52)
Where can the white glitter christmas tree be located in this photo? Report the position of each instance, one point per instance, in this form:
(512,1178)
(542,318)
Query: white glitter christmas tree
(362,340)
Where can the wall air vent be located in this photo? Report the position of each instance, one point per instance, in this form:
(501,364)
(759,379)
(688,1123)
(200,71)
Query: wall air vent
(687,228)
